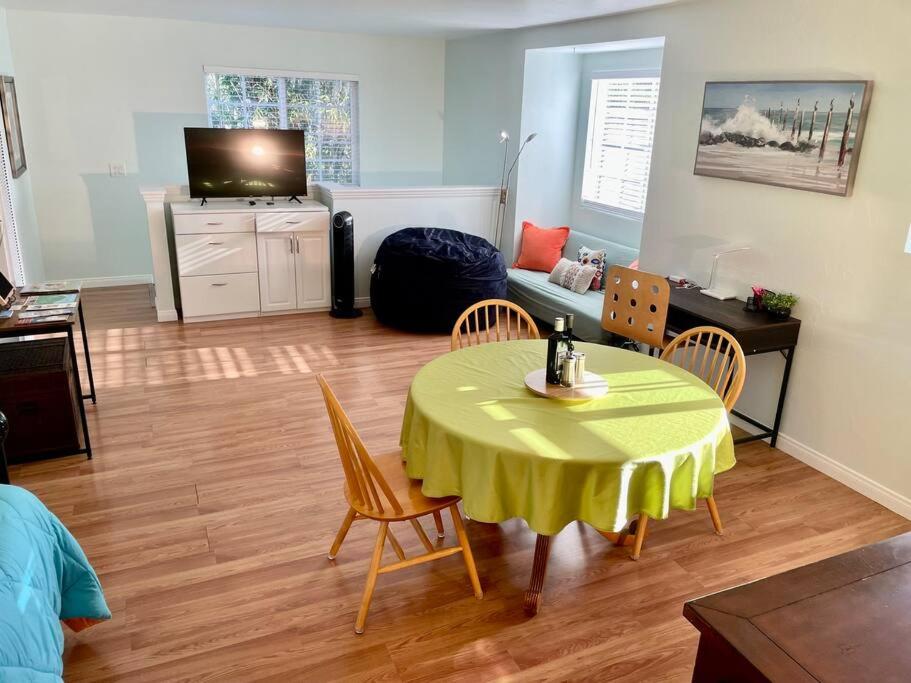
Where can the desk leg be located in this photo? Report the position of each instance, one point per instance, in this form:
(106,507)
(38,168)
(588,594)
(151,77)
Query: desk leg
(81,399)
(88,358)
(789,357)
(539,568)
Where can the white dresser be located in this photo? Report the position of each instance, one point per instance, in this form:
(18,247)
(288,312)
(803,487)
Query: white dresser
(235,260)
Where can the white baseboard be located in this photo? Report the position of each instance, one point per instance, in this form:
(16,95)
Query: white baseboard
(362,302)
(850,478)
(167,315)
(115,281)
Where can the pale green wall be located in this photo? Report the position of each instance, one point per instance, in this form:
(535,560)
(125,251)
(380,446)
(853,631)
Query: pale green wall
(626,231)
(550,99)
(99,89)
(21,190)
(847,406)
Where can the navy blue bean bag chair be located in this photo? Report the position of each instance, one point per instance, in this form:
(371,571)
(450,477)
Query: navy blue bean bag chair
(423,278)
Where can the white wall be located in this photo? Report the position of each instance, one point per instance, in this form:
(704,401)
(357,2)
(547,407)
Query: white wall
(21,189)
(98,89)
(848,402)
(550,101)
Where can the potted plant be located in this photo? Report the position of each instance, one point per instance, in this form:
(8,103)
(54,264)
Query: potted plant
(779,305)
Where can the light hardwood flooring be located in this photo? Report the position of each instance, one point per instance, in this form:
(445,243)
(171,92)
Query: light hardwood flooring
(215,493)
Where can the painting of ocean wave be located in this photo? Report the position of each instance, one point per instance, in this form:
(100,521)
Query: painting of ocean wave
(799,134)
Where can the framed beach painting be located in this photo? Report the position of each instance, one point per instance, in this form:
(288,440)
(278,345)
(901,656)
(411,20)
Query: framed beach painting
(800,134)
(10,107)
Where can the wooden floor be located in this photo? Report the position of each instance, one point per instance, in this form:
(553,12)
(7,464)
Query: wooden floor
(215,493)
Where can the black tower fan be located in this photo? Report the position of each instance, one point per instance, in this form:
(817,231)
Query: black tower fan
(343,267)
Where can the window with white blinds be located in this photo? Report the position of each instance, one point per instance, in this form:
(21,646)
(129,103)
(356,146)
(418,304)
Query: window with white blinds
(324,108)
(618,149)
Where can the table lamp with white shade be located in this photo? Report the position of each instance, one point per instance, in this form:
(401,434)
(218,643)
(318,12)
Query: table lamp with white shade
(720,292)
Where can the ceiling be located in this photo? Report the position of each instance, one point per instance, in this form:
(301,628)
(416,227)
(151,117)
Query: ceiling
(431,18)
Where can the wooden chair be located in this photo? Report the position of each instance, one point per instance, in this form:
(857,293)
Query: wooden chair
(714,356)
(488,323)
(635,305)
(377,488)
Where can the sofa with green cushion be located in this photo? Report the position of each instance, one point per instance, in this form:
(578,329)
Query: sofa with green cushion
(545,300)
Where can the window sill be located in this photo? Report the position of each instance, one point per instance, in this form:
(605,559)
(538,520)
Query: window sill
(612,211)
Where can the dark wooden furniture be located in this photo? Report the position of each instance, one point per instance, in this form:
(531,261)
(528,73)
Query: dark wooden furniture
(9,329)
(755,331)
(39,394)
(29,290)
(847,618)
(4,429)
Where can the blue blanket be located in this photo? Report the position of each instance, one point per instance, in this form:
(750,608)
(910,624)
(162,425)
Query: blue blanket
(44,577)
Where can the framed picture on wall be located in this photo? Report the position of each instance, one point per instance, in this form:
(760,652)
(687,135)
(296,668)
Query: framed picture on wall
(10,107)
(804,135)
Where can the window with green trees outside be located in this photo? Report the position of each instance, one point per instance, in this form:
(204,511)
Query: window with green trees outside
(324,108)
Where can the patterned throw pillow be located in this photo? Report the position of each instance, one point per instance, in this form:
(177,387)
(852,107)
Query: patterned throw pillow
(572,275)
(595,258)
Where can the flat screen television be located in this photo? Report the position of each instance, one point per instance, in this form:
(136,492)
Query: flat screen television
(239,162)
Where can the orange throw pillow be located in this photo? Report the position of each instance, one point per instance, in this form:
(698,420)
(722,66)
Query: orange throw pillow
(81,623)
(541,248)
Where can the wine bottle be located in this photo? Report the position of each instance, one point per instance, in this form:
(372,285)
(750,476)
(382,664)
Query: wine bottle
(556,351)
(570,319)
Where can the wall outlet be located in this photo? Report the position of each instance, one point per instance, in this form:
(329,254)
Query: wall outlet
(117,169)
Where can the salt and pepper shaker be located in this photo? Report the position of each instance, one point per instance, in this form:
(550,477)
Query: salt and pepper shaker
(568,376)
(580,366)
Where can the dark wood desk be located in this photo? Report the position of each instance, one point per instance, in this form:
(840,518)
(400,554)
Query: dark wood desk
(756,332)
(847,618)
(9,328)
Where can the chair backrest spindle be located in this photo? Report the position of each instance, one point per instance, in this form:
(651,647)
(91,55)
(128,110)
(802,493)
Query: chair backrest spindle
(486,314)
(366,483)
(714,356)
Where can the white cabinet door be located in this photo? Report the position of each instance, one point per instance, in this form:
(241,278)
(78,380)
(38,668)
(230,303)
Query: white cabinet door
(312,269)
(277,284)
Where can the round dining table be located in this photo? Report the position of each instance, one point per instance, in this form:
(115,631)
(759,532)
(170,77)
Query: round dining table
(652,443)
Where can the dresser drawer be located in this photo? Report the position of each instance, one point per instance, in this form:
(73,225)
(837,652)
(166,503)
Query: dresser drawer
(219,294)
(216,253)
(293,221)
(204,223)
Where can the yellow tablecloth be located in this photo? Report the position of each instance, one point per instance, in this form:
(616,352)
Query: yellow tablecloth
(473,429)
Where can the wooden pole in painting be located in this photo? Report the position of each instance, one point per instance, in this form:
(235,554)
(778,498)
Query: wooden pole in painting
(794,121)
(800,125)
(825,132)
(781,116)
(849,119)
(813,120)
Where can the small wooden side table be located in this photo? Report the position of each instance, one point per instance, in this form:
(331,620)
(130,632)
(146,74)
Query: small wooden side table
(9,329)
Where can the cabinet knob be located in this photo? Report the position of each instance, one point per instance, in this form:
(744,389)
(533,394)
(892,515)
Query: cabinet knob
(215,243)
(219,284)
(214,223)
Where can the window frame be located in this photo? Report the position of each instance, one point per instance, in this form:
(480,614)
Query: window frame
(283,108)
(612,74)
